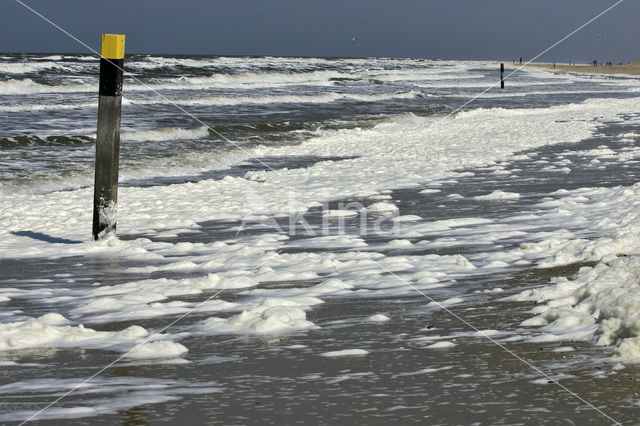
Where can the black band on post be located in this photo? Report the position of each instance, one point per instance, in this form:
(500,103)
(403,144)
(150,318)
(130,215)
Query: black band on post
(111,77)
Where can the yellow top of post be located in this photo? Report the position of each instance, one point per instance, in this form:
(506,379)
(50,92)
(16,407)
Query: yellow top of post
(112,46)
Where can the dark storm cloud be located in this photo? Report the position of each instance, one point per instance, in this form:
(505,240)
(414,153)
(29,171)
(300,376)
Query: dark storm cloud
(448,29)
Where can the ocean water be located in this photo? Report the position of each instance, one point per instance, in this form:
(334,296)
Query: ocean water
(321,240)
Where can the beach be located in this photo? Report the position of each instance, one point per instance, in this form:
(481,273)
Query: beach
(632,68)
(391,240)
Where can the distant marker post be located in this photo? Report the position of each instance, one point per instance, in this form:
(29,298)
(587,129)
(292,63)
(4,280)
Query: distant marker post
(502,76)
(105,195)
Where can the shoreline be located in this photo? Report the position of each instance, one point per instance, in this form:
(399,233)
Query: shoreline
(632,69)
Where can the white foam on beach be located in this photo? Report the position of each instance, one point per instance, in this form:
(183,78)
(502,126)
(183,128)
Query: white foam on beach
(345,352)
(99,396)
(428,370)
(379,318)
(599,304)
(157,350)
(407,218)
(441,345)
(499,195)
(270,316)
(340,213)
(382,208)
(43,332)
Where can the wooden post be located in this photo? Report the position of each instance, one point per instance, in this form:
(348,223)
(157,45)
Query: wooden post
(502,76)
(105,195)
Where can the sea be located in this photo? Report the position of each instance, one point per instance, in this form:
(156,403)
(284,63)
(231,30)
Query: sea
(323,241)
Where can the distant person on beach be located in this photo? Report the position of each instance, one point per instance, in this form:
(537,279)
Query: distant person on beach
(520,59)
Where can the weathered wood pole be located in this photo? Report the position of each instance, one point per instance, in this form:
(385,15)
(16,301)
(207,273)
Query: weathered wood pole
(105,195)
(502,76)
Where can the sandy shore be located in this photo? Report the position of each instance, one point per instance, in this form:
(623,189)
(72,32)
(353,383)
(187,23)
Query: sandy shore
(629,69)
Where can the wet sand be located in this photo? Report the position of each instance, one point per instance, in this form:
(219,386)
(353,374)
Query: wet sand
(629,69)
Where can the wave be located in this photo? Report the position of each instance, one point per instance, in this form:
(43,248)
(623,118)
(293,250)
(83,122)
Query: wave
(263,79)
(223,101)
(322,77)
(484,84)
(299,65)
(84,58)
(35,140)
(215,81)
(49,58)
(277,99)
(48,107)
(164,134)
(27,86)
(184,164)
(30,67)
(417,75)
(265,73)
(239,62)
(160,134)
(511,94)
(150,63)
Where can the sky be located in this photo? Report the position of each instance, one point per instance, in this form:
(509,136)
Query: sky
(432,29)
